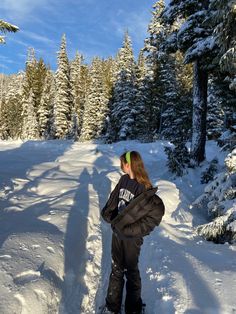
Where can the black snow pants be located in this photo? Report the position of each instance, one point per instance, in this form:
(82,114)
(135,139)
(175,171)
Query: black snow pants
(125,257)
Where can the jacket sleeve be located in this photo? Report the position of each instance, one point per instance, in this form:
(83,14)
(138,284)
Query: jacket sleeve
(144,225)
(110,210)
(140,228)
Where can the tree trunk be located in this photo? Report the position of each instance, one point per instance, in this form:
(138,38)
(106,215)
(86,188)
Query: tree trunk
(200,80)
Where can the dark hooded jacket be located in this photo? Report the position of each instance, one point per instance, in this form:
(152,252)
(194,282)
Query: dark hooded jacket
(138,218)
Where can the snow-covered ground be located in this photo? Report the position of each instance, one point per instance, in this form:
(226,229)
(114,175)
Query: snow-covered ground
(55,249)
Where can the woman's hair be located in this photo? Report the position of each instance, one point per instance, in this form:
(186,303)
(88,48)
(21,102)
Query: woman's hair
(137,167)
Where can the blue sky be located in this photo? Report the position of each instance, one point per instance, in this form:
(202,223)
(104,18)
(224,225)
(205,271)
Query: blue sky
(94,28)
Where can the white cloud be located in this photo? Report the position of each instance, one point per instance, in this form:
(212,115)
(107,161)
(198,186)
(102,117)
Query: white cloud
(3,66)
(19,10)
(38,37)
(5,60)
(20,42)
(135,23)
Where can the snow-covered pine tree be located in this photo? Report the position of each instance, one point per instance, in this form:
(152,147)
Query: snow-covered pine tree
(121,124)
(35,75)
(224,19)
(45,110)
(108,78)
(215,116)
(171,101)
(76,76)
(194,38)
(63,101)
(4,121)
(170,79)
(210,172)
(38,83)
(220,200)
(171,126)
(4,83)
(11,109)
(155,102)
(142,101)
(96,106)
(30,128)
(34,82)
(28,97)
(184,78)
(176,126)
(14,104)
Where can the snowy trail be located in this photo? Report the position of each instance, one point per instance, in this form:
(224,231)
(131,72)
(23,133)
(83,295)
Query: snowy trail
(55,249)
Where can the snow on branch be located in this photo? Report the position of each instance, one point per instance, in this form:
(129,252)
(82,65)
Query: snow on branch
(220,200)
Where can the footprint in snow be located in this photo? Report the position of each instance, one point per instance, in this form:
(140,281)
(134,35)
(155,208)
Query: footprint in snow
(218,281)
(5,257)
(26,276)
(50,249)
(23,247)
(35,246)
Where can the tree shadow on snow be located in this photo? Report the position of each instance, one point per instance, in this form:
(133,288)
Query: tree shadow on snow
(167,253)
(16,164)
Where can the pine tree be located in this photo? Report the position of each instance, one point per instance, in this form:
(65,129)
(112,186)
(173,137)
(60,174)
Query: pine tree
(219,201)
(153,50)
(170,97)
(63,101)
(121,124)
(45,110)
(170,119)
(11,108)
(224,19)
(108,70)
(194,38)
(30,129)
(142,101)
(27,91)
(40,74)
(215,116)
(76,74)
(96,106)
(4,126)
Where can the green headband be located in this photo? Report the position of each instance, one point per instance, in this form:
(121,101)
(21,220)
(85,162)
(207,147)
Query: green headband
(128,158)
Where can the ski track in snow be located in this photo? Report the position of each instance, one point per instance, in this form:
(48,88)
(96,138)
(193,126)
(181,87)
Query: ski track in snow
(55,249)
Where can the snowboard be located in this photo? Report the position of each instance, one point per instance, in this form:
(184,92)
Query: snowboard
(122,311)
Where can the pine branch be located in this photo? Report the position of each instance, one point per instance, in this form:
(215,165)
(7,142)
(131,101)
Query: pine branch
(2,40)
(7,27)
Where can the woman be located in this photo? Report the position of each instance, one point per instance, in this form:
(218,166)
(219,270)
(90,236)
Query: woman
(133,210)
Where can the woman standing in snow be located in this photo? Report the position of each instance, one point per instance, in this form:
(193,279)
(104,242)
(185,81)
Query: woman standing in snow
(133,210)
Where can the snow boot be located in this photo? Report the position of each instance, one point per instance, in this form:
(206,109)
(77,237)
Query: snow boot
(141,311)
(105,310)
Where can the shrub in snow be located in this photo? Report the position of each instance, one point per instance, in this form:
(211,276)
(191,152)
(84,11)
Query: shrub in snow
(220,200)
(210,172)
(228,139)
(230,161)
(222,229)
(178,158)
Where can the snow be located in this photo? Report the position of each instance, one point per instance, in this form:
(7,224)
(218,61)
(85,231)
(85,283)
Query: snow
(200,48)
(55,248)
